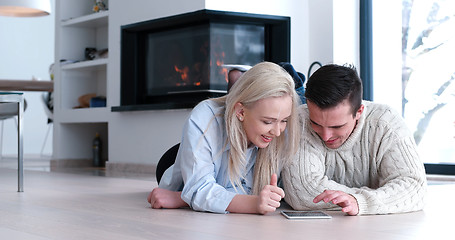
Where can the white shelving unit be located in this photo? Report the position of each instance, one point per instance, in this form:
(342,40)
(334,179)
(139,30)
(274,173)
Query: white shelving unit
(78,28)
(92,20)
(96,64)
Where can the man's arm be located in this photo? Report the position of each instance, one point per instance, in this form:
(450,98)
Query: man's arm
(399,181)
(305,178)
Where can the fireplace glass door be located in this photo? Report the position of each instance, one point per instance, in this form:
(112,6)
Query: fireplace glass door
(191,59)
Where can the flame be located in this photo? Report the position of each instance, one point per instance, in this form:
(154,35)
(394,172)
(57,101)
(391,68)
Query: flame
(219,63)
(183,72)
(224,72)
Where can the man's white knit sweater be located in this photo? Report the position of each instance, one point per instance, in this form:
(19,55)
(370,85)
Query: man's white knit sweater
(378,165)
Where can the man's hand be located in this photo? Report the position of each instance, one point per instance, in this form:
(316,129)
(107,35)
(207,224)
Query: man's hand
(346,201)
(162,198)
(270,196)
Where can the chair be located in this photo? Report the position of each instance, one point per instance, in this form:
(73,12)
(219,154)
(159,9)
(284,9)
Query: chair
(12,103)
(46,99)
(7,110)
(299,79)
(166,161)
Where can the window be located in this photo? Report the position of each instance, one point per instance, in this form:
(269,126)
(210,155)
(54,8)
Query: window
(426,82)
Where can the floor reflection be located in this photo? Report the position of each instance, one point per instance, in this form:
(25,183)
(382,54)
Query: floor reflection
(33,163)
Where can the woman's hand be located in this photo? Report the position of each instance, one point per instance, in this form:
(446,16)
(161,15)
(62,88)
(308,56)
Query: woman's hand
(162,198)
(268,200)
(270,197)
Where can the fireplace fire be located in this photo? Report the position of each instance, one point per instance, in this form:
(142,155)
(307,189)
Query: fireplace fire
(176,62)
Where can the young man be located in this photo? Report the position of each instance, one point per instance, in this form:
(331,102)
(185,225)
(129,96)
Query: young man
(354,154)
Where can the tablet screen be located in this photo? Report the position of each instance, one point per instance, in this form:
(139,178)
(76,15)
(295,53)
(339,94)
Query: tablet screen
(305,214)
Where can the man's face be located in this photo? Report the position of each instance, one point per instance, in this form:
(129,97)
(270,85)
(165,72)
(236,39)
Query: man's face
(333,125)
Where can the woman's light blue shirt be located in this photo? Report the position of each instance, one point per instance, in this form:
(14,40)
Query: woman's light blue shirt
(201,167)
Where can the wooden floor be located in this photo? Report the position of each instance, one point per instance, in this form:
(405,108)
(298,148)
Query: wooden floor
(73,206)
(87,204)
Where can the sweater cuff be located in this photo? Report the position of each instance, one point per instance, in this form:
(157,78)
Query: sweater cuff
(361,203)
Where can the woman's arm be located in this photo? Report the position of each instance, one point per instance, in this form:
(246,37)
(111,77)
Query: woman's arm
(162,198)
(267,201)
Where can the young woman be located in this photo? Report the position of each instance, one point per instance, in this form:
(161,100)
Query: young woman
(234,146)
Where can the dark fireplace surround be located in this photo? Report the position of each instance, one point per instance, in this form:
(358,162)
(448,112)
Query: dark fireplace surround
(176,62)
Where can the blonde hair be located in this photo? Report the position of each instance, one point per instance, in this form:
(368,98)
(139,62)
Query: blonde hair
(264,80)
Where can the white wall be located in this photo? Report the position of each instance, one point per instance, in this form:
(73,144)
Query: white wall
(26,50)
(320,32)
(387,53)
(346,32)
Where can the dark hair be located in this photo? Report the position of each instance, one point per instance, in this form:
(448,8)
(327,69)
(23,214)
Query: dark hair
(332,84)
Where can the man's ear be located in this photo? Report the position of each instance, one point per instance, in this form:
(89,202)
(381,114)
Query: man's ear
(239,111)
(359,112)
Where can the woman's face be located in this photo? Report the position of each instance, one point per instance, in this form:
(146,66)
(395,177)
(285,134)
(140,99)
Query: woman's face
(265,119)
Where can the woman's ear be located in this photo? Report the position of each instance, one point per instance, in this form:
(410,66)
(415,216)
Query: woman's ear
(239,112)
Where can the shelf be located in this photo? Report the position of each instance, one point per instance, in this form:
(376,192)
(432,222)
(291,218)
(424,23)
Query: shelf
(83,115)
(157,106)
(91,21)
(78,28)
(87,65)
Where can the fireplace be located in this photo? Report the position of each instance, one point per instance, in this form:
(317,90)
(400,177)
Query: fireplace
(176,62)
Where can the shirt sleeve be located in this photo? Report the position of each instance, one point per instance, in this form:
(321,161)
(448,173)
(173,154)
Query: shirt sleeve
(202,141)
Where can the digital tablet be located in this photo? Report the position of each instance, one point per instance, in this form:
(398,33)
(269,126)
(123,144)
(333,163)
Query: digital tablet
(305,214)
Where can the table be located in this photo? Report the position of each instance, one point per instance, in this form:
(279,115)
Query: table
(26,85)
(16,97)
(21,85)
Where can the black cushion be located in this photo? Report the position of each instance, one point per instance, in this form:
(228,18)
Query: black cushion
(166,161)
